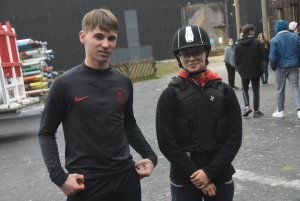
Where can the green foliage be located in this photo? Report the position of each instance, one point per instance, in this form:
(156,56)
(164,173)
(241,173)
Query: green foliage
(165,68)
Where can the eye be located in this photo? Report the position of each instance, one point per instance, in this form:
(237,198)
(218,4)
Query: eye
(99,37)
(112,38)
(198,53)
(185,54)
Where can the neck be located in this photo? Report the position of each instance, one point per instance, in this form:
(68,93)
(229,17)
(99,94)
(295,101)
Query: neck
(201,75)
(97,64)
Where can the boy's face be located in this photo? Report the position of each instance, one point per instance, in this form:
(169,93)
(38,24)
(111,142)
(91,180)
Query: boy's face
(99,45)
(196,62)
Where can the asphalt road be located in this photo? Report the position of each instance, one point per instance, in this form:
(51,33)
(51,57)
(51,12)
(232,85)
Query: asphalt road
(267,164)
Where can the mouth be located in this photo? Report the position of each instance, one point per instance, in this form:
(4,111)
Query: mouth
(193,65)
(104,53)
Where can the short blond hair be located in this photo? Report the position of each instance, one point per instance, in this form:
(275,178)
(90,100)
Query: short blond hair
(103,18)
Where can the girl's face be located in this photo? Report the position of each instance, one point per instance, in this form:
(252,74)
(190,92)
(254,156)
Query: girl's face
(261,38)
(193,58)
(230,42)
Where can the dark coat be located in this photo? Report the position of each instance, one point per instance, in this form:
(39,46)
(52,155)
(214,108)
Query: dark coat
(248,54)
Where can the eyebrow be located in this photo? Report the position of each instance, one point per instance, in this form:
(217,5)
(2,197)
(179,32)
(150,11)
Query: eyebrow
(101,34)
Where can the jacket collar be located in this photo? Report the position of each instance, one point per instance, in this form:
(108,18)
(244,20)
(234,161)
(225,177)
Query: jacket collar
(282,32)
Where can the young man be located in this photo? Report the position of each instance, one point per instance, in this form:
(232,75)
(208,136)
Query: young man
(198,123)
(93,101)
(284,60)
(248,55)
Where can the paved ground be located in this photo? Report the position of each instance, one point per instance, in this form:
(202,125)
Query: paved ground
(267,164)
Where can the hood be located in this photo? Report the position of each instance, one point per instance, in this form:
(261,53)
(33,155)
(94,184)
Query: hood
(208,75)
(281,25)
(246,40)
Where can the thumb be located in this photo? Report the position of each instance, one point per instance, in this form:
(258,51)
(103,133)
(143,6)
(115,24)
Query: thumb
(79,179)
(139,163)
(193,175)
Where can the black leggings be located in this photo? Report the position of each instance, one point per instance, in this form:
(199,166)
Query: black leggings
(231,74)
(184,190)
(255,88)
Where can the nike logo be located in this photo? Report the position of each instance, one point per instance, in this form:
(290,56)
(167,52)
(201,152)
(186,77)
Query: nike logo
(80,99)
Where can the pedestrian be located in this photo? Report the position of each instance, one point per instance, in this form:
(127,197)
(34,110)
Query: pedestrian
(198,123)
(266,45)
(292,26)
(230,63)
(93,101)
(240,37)
(284,60)
(248,55)
(297,30)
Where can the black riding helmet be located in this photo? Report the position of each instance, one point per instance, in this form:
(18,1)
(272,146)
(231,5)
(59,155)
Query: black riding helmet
(190,36)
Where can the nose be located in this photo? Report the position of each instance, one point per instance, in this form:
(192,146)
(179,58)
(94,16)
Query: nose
(105,43)
(192,57)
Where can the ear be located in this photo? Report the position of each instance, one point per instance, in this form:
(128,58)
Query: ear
(82,37)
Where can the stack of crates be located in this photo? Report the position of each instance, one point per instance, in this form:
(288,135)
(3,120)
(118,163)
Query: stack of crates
(17,90)
(37,75)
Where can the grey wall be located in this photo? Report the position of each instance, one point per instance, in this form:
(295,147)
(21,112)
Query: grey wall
(59,21)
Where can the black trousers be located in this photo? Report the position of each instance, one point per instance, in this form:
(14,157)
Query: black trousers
(184,190)
(231,74)
(125,186)
(255,88)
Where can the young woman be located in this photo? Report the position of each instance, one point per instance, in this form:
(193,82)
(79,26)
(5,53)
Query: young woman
(198,123)
(266,46)
(229,62)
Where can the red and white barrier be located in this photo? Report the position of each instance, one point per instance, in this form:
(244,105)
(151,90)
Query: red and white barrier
(11,79)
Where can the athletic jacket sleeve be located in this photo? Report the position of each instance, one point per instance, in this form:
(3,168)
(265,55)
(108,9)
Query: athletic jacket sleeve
(237,55)
(272,55)
(166,134)
(51,119)
(133,133)
(230,147)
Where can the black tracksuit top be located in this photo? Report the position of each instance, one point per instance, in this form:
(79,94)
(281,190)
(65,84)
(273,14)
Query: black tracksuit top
(95,109)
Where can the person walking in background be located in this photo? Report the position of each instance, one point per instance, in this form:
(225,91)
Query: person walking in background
(297,30)
(292,26)
(93,101)
(266,45)
(284,60)
(230,62)
(248,55)
(198,123)
(240,37)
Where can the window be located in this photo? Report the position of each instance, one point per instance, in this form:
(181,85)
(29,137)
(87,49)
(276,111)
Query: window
(295,12)
(280,13)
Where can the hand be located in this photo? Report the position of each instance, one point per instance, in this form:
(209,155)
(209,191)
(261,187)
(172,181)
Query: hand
(210,189)
(73,184)
(199,179)
(144,168)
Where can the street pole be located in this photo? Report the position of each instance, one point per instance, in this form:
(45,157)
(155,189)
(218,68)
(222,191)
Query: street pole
(237,16)
(265,19)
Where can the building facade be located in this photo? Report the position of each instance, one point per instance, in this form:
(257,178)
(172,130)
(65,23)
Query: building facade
(287,10)
(146,27)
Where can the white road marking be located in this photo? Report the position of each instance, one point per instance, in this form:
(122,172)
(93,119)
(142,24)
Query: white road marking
(266,179)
